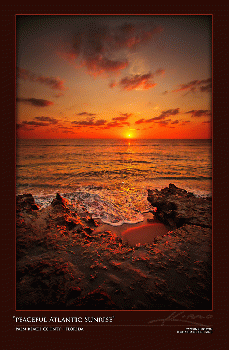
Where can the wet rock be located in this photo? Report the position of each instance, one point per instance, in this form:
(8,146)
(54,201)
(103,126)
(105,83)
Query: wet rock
(176,207)
(26,202)
(90,221)
(69,222)
(60,203)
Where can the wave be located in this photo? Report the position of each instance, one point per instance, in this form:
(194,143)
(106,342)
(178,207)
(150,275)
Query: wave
(183,178)
(110,206)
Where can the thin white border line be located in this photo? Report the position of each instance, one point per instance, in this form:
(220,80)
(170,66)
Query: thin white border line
(120,325)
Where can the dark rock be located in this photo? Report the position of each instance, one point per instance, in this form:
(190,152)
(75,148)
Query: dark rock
(60,203)
(88,230)
(26,202)
(90,221)
(74,292)
(176,207)
(97,300)
(44,280)
(69,222)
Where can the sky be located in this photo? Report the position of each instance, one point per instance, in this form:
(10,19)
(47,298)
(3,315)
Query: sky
(123,76)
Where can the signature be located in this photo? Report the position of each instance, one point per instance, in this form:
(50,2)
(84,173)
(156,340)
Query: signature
(190,319)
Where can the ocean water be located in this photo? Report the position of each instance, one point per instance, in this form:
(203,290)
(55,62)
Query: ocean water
(110,178)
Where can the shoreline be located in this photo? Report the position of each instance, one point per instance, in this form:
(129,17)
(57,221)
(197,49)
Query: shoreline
(122,232)
(66,261)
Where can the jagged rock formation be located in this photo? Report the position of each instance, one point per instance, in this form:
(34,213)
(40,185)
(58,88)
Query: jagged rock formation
(64,262)
(176,207)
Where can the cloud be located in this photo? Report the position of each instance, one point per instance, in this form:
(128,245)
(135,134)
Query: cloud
(196,85)
(37,122)
(167,113)
(100,65)
(33,124)
(90,122)
(130,35)
(60,94)
(50,120)
(175,122)
(159,71)
(199,113)
(103,49)
(123,117)
(139,81)
(164,122)
(115,122)
(185,122)
(140,121)
(161,117)
(35,102)
(53,83)
(113,84)
(86,113)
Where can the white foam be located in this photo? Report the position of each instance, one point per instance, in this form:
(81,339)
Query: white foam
(113,207)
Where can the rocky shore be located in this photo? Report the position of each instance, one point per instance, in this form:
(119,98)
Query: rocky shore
(65,263)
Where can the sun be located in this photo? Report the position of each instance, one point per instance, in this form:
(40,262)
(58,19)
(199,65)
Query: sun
(129,135)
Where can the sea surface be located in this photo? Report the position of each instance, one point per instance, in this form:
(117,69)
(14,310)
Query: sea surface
(110,178)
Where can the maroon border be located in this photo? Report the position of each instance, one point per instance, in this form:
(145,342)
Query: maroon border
(129,329)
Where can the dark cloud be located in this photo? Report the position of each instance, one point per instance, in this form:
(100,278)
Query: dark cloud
(199,113)
(159,71)
(50,120)
(112,84)
(37,122)
(86,114)
(150,120)
(90,122)
(123,117)
(35,102)
(206,88)
(196,85)
(161,117)
(167,113)
(185,122)
(96,44)
(140,121)
(164,122)
(114,124)
(138,81)
(53,83)
(30,125)
(175,122)
(143,82)
(130,35)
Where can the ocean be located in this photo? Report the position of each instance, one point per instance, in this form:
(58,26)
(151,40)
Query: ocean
(110,178)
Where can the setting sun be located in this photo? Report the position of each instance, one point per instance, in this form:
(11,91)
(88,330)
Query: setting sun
(123,98)
(130,134)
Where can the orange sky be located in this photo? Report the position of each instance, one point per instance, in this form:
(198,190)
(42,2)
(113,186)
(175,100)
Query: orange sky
(113,76)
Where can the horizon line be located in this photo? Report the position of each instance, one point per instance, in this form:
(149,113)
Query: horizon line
(104,138)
